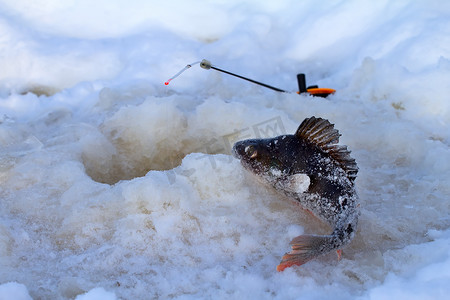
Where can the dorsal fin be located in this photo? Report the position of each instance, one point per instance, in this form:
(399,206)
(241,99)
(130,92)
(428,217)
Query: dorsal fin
(322,133)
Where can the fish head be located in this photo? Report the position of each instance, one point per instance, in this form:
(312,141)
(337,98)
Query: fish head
(260,156)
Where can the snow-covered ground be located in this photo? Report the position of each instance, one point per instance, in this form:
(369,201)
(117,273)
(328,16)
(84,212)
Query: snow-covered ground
(113,185)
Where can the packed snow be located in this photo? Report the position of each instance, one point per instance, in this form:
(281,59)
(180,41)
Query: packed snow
(116,186)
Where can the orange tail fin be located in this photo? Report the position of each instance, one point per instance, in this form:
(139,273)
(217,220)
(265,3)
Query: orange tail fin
(305,248)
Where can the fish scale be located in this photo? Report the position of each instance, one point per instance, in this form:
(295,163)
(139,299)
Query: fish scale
(312,169)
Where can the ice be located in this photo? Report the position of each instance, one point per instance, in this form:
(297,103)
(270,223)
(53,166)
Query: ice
(14,290)
(95,294)
(114,185)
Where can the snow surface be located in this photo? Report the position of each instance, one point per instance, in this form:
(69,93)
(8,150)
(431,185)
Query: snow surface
(113,185)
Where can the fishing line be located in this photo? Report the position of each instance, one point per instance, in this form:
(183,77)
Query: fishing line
(181,71)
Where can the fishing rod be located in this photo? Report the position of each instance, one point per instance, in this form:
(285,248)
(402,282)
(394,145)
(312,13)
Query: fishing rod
(301,80)
(205,64)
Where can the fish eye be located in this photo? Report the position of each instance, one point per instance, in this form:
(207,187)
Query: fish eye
(251,151)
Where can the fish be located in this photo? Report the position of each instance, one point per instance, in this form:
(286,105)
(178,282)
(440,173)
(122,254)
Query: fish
(311,168)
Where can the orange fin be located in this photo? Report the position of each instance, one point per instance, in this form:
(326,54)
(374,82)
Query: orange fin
(290,260)
(304,248)
(339,254)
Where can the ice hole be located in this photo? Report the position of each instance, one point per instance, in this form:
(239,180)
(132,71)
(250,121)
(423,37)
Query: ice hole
(154,135)
(123,164)
(39,90)
(122,168)
(124,161)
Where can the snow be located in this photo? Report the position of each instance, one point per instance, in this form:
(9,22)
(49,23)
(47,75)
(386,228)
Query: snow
(116,186)
(14,290)
(97,293)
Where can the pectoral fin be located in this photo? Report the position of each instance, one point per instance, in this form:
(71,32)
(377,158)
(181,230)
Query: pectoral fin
(297,183)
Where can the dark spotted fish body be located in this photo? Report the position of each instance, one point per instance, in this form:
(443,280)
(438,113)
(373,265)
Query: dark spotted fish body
(310,167)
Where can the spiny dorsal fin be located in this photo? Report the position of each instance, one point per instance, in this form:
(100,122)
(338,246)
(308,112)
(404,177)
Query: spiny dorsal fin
(322,133)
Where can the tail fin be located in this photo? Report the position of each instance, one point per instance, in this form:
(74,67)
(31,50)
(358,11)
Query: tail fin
(305,248)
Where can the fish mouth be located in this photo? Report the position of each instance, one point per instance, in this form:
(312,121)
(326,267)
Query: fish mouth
(237,150)
(233,151)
